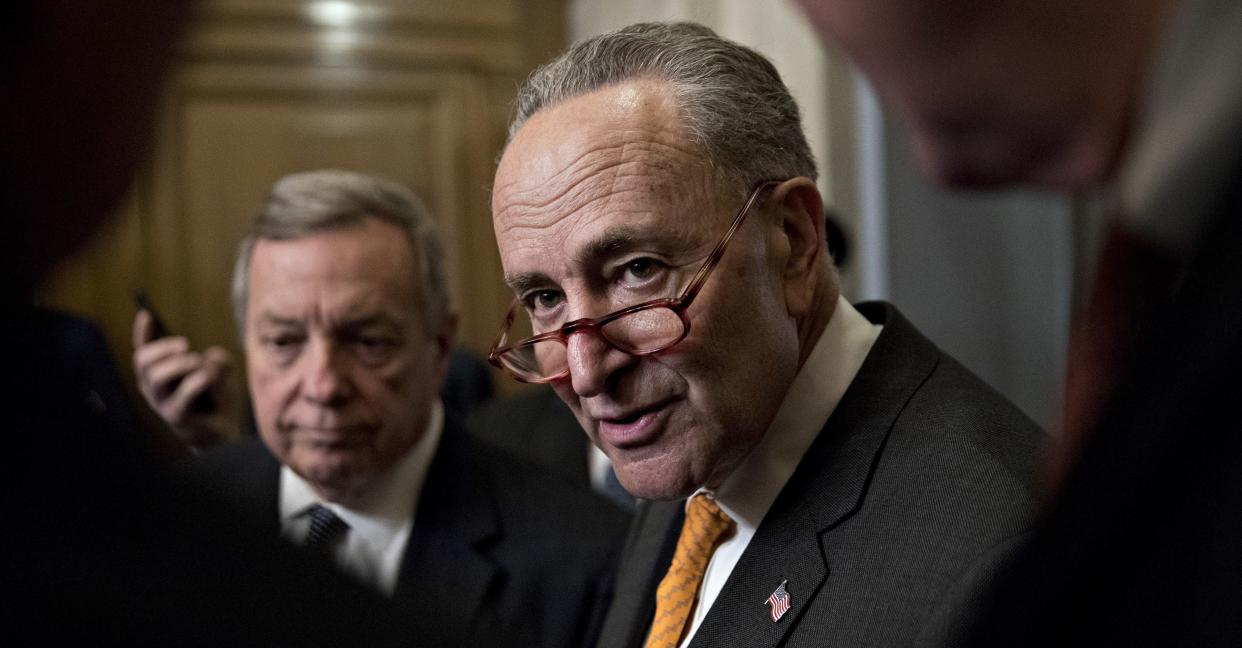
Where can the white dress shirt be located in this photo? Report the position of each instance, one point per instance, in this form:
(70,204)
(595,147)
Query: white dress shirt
(379,528)
(748,493)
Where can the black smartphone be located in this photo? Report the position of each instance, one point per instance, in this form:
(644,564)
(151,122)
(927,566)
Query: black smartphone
(205,403)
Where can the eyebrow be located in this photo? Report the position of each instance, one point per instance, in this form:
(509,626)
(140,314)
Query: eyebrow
(350,324)
(614,241)
(275,320)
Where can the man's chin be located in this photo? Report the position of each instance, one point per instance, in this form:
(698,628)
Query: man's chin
(336,479)
(655,480)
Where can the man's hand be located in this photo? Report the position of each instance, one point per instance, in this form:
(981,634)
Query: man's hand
(170,377)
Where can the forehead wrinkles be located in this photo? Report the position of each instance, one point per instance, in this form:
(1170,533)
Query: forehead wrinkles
(613,178)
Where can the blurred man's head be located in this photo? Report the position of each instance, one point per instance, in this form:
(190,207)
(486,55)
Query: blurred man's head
(341,295)
(83,78)
(630,156)
(1003,91)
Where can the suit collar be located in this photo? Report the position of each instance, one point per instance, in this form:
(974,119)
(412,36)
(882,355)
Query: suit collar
(853,438)
(457,521)
(821,382)
(253,482)
(828,486)
(648,552)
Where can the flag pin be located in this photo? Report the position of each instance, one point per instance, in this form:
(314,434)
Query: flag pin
(779,601)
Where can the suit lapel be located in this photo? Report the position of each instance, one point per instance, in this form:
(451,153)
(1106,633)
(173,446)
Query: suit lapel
(648,552)
(456,520)
(828,486)
(253,482)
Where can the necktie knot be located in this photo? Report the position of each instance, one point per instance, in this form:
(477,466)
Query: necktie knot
(704,528)
(325,529)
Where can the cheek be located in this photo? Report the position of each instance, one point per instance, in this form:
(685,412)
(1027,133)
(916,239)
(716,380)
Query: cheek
(400,395)
(744,350)
(270,391)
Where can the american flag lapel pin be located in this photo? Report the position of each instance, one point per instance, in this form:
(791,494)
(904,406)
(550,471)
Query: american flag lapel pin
(779,602)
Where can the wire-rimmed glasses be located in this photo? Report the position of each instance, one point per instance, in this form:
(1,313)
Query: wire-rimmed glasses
(642,329)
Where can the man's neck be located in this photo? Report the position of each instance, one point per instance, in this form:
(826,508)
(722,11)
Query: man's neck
(811,327)
(351,496)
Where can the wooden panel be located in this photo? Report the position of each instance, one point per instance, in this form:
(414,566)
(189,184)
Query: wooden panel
(414,91)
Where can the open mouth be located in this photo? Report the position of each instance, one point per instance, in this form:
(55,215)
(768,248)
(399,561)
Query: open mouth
(635,428)
(626,420)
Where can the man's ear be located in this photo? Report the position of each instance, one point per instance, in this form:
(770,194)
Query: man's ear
(801,212)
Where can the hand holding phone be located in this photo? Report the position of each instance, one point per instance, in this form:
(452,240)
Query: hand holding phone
(179,384)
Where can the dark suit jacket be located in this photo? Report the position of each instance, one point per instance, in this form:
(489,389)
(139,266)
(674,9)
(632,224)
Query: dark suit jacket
(917,486)
(106,549)
(500,553)
(537,426)
(1143,545)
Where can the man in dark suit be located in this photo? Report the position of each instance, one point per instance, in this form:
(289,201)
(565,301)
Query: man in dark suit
(340,293)
(1140,545)
(659,223)
(101,547)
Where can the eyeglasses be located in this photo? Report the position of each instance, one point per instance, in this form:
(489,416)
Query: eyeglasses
(642,329)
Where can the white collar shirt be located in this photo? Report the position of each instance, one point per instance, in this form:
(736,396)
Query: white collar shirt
(748,493)
(379,527)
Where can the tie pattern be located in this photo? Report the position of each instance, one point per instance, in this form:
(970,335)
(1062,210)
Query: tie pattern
(705,527)
(325,529)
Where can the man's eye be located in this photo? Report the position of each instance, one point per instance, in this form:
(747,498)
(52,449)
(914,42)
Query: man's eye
(543,300)
(283,341)
(640,270)
(375,348)
(284,348)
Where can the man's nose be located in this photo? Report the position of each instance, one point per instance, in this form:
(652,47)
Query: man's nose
(327,379)
(593,362)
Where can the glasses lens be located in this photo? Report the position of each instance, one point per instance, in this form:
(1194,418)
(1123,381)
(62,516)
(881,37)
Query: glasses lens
(532,361)
(647,330)
(537,360)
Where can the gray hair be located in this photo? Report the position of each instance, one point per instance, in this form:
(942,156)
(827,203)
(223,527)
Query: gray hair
(731,99)
(302,204)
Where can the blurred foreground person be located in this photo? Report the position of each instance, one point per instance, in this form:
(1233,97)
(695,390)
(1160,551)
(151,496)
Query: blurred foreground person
(1142,544)
(340,292)
(818,473)
(101,548)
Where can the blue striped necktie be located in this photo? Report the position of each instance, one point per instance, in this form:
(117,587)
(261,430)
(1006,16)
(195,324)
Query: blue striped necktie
(325,529)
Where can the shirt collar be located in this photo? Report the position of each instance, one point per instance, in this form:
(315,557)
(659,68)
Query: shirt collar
(391,508)
(748,493)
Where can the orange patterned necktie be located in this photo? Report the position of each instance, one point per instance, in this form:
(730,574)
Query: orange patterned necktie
(705,527)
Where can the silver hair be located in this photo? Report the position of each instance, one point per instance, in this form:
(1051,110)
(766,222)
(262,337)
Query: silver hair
(731,99)
(303,204)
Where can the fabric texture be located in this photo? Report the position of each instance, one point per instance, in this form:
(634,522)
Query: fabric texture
(526,558)
(916,489)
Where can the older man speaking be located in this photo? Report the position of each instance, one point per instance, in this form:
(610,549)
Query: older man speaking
(821,473)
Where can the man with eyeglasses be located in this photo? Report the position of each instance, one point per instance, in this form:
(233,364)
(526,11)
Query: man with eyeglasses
(818,473)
